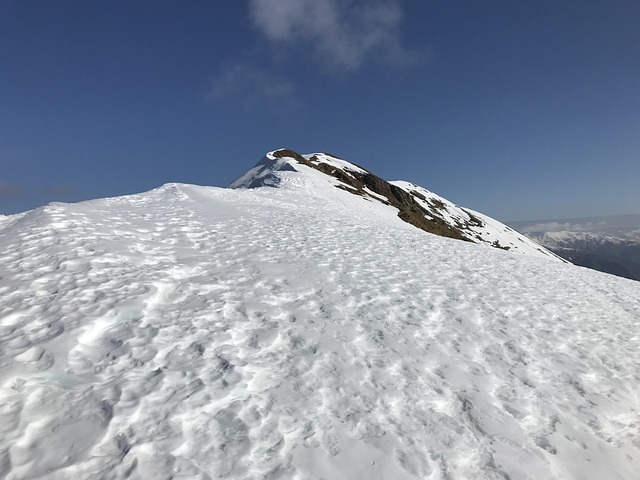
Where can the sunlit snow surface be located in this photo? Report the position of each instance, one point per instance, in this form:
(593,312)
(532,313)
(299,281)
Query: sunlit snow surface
(294,332)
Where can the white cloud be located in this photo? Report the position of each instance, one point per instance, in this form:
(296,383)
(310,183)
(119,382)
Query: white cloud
(340,35)
(343,34)
(559,226)
(252,84)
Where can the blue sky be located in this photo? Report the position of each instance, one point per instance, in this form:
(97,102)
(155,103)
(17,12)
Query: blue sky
(522,110)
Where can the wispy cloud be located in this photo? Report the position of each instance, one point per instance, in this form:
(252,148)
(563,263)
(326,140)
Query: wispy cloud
(10,190)
(343,34)
(338,36)
(253,84)
(560,226)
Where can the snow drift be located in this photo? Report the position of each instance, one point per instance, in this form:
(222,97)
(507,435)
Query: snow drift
(303,332)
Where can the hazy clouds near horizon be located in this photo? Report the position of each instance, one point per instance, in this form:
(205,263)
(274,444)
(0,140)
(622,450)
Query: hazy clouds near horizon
(610,224)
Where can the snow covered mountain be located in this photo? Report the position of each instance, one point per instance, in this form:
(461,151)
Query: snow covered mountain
(414,204)
(609,244)
(303,332)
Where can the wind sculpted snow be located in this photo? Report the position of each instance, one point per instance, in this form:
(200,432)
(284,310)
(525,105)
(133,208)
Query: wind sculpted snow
(197,332)
(415,205)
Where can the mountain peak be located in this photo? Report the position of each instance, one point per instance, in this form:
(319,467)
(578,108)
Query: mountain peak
(286,160)
(414,204)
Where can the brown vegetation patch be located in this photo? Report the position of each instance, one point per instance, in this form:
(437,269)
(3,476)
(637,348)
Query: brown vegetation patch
(289,153)
(415,193)
(496,244)
(473,220)
(437,204)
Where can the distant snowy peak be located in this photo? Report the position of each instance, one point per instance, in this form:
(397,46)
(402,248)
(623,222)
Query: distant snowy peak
(416,205)
(568,239)
(616,251)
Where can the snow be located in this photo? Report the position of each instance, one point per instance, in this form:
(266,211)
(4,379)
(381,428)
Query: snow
(335,162)
(490,231)
(473,225)
(301,332)
(265,173)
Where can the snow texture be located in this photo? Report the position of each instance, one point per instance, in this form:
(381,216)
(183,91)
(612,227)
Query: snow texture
(481,228)
(301,332)
(469,224)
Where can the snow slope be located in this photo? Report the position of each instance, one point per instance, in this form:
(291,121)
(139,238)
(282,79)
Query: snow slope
(299,332)
(479,228)
(414,204)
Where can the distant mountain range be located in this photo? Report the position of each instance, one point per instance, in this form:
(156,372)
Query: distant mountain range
(608,244)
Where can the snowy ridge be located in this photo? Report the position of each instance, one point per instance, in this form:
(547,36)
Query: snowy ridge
(416,204)
(480,228)
(276,333)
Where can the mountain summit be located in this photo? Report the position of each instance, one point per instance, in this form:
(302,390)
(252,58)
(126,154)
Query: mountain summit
(414,204)
(306,331)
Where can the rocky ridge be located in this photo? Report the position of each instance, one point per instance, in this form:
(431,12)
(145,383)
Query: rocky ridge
(416,205)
